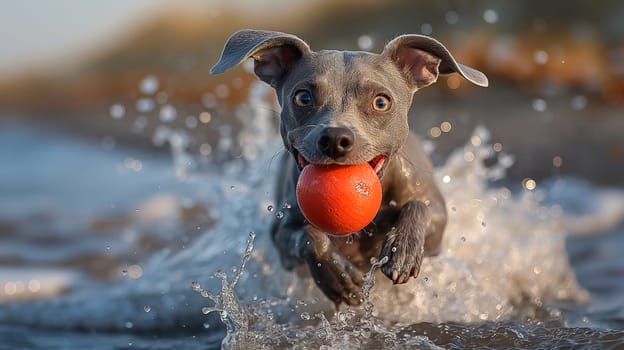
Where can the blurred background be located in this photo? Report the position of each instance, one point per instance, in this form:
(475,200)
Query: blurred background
(94,97)
(556,69)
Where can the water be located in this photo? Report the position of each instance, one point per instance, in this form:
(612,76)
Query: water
(110,248)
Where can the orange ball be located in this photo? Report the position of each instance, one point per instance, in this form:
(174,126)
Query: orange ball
(339,199)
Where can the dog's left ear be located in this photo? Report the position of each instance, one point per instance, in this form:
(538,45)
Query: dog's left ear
(274,53)
(421,59)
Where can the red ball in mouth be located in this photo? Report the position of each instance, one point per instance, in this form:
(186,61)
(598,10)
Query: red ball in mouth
(339,199)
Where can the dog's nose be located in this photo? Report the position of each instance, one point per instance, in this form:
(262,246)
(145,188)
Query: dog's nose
(336,142)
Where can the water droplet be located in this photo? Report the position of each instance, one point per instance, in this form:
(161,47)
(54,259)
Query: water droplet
(540,57)
(539,105)
(232,187)
(365,42)
(446,179)
(128,324)
(557,162)
(286,205)
(144,105)
(149,85)
(305,316)
(451,17)
(191,122)
(206,325)
(394,249)
(168,113)
(270,208)
(578,102)
(529,183)
(349,239)
(209,100)
(139,124)
(483,223)
(279,214)
(135,271)
(318,265)
(147,308)
(117,111)
(446,126)
(205,117)
(475,140)
(435,132)
(222,91)
(108,247)
(124,272)
(490,16)
(463,239)
(205,149)
(469,156)
(426,279)
(206,310)
(195,285)
(426,29)
(392,203)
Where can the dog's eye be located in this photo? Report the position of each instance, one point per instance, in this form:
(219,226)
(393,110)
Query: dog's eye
(381,103)
(303,98)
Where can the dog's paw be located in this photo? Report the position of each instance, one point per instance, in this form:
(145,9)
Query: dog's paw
(337,277)
(405,251)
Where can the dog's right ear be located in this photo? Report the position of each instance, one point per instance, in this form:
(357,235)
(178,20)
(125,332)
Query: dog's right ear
(274,53)
(421,58)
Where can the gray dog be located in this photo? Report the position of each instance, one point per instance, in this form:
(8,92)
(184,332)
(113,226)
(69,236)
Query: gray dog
(349,107)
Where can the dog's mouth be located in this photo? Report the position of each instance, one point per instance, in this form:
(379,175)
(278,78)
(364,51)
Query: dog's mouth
(376,163)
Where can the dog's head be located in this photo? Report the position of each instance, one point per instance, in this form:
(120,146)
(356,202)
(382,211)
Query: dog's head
(344,107)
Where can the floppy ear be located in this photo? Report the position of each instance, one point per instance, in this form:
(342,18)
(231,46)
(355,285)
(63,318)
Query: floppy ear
(274,53)
(421,59)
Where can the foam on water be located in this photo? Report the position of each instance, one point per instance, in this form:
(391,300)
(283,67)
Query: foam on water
(503,256)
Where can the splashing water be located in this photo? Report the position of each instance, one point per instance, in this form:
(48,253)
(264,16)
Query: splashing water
(253,327)
(472,280)
(232,313)
(504,259)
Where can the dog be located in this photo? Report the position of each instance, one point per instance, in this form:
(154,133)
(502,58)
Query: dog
(351,107)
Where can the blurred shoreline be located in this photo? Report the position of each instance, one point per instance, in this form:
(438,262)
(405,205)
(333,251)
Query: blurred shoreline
(557,79)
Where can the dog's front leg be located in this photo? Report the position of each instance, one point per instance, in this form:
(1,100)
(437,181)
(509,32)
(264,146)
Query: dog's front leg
(335,275)
(405,243)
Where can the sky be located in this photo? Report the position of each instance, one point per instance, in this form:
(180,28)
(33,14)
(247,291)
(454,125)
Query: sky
(53,32)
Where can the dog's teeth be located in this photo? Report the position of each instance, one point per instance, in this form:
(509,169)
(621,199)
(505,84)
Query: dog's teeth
(302,162)
(379,165)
